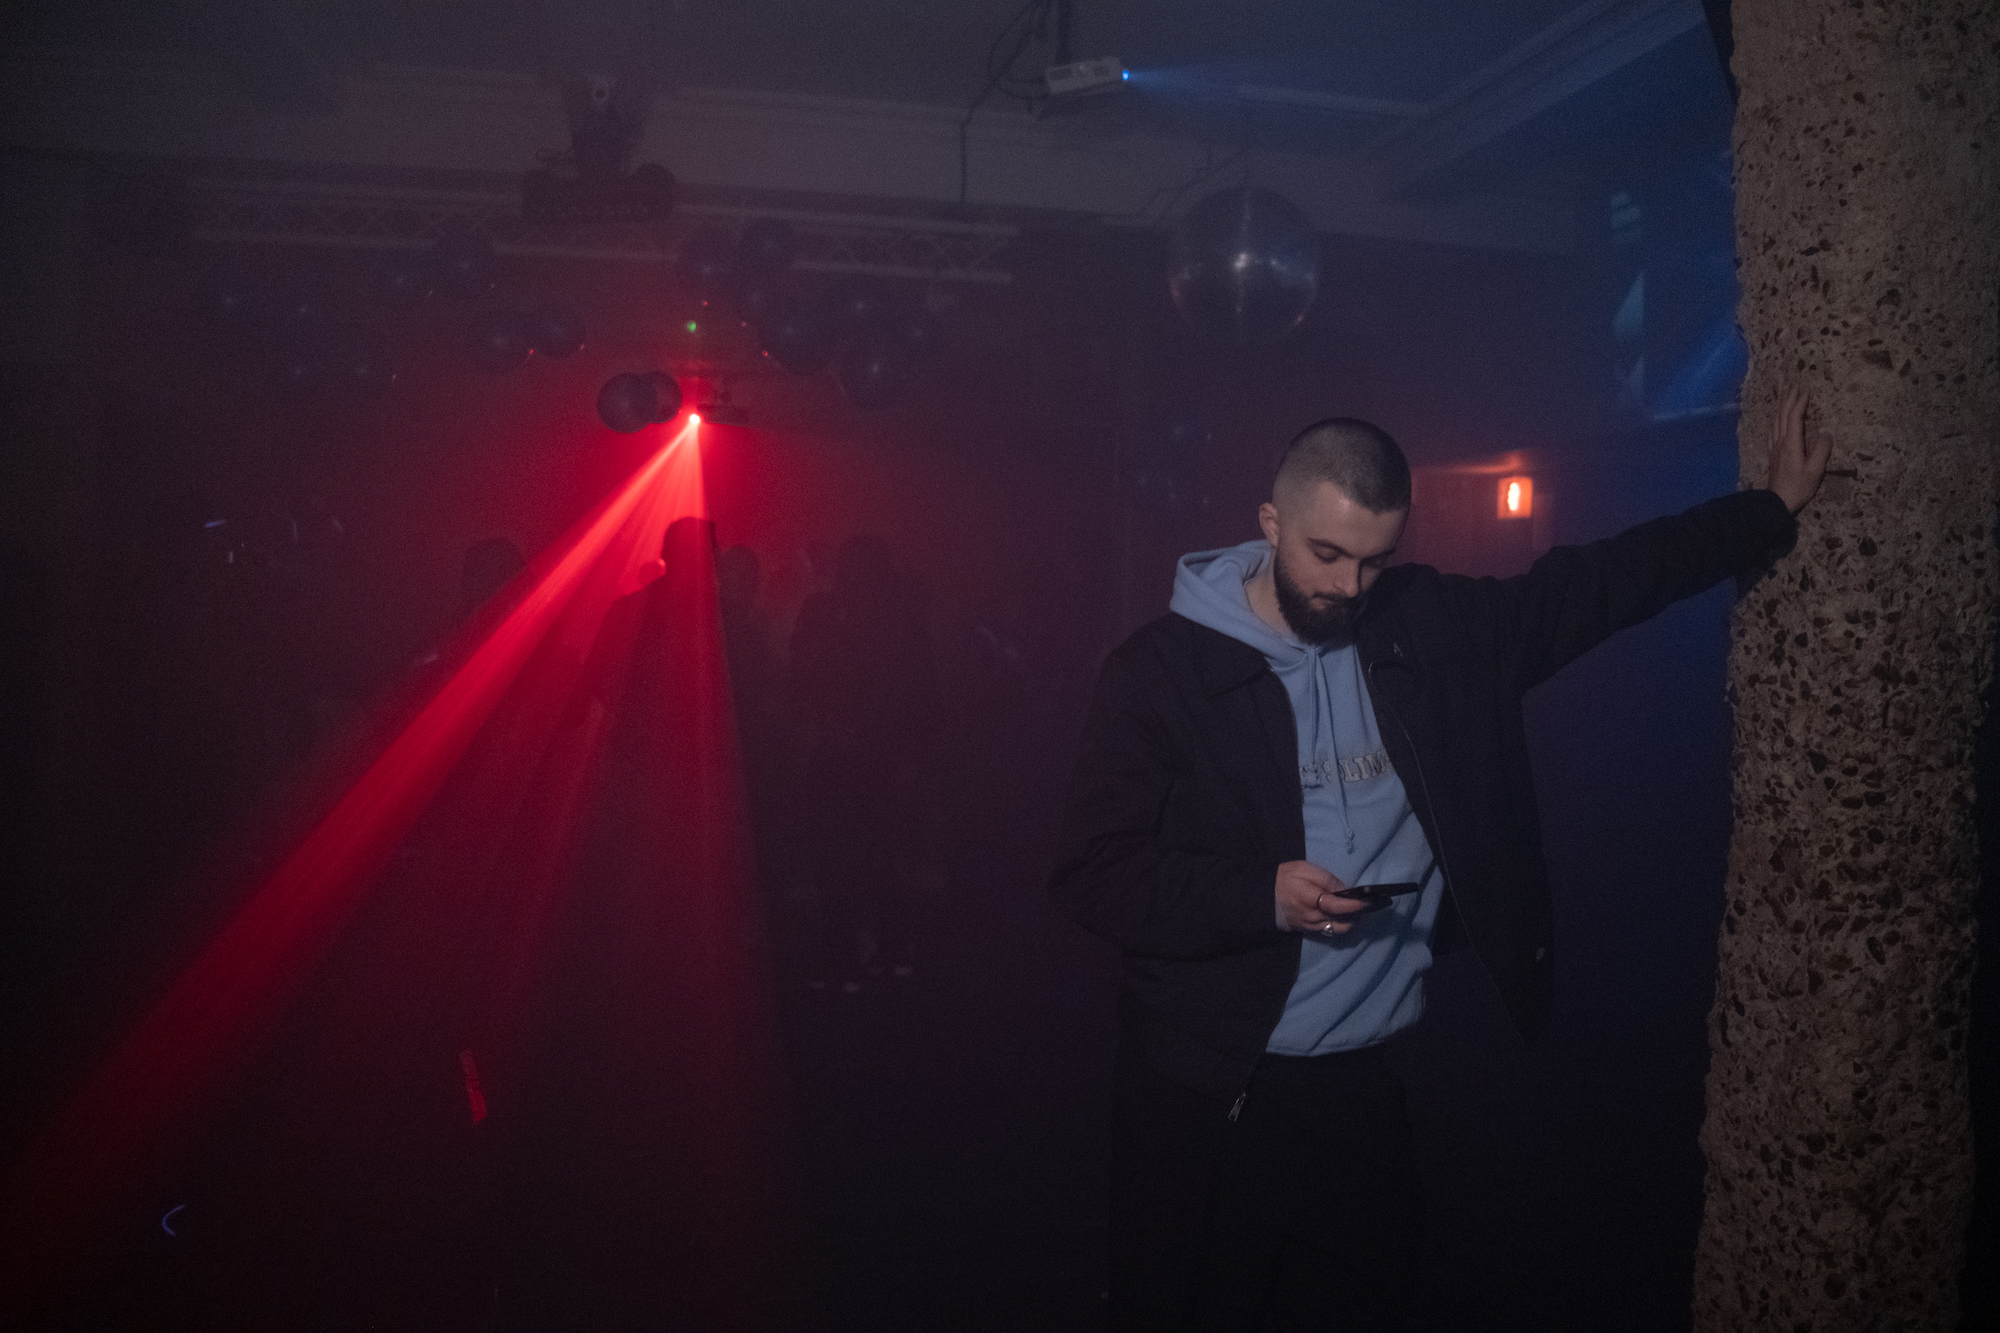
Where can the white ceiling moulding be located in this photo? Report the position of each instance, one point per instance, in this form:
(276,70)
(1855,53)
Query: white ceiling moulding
(1554,65)
(401,218)
(903,155)
(1339,104)
(1110,168)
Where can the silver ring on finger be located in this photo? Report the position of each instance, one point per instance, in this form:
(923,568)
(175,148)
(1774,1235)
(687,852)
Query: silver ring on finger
(1327,928)
(1319,903)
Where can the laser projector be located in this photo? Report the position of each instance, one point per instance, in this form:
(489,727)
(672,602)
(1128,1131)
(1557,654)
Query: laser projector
(1085,76)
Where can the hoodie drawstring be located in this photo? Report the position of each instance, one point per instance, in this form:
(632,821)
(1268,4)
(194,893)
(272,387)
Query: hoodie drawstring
(1209,590)
(1325,764)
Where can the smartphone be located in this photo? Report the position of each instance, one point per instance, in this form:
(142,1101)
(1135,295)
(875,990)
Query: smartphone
(1378,895)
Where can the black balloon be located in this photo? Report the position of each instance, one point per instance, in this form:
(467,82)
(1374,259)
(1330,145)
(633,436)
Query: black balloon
(765,248)
(917,331)
(625,403)
(408,277)
(707,261)
(666,391)
(501,339)
(464,263)
(859,305)
(556,330)
(872,372)
(796,335)
(1245,266)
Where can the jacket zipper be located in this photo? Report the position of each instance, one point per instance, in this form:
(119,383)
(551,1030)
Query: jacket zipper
(1416,761)
(1237,1109)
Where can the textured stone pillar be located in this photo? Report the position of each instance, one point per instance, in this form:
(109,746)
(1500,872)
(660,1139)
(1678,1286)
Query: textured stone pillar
(1838,1135)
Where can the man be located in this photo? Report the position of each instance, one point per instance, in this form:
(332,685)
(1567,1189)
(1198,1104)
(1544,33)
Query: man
(1310,722)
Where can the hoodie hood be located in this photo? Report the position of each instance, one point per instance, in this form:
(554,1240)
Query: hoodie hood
(1210,588)
(1336,724)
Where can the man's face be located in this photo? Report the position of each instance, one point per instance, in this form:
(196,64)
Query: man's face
(1327,552)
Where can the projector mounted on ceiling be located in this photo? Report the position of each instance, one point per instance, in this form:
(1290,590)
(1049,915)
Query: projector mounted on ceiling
(1085,76)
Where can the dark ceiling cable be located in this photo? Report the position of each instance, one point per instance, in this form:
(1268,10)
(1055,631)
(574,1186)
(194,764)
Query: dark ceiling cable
(1031,23)
(1034,22)
(1153,212)
(1145,214)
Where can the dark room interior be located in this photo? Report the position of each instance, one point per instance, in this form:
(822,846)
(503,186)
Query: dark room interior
(557,558)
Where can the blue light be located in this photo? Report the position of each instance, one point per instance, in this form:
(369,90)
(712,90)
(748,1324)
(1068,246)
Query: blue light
(1124,73)
(1711,375)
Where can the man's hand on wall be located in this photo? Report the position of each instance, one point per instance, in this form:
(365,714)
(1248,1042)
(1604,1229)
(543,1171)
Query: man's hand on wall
(1309,901)
(1796,459)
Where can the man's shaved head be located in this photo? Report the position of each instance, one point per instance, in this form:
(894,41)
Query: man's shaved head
(1354,455)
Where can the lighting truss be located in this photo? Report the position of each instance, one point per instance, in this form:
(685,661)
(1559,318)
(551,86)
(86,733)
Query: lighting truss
(398,218)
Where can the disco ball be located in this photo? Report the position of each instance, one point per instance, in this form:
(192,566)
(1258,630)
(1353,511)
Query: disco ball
(1245,266)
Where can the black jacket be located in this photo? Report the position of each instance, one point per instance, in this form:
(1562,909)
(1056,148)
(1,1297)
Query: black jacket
(1186,797)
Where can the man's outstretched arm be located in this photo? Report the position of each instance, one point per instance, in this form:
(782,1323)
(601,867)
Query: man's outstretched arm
(1576,596)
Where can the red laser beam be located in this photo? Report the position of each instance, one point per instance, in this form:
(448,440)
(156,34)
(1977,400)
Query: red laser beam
(475,1096)
(178,1057)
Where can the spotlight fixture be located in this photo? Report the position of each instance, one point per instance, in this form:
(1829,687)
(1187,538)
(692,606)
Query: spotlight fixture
(1085,77)
(1517,497)
(716,407)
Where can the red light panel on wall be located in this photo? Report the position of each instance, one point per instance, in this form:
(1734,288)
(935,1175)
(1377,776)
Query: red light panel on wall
(1517,497)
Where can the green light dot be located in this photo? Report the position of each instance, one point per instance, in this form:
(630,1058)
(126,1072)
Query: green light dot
(693,327)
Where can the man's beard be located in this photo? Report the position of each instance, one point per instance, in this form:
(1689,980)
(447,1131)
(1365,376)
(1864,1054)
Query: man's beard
(1324,622)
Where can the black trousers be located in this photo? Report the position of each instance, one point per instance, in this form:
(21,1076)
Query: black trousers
(1303,1213)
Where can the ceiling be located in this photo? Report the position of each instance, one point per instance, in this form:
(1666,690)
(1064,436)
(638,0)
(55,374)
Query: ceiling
(1467,121)
(893,50)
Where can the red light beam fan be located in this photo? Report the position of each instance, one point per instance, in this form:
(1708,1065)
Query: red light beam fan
(129,1114)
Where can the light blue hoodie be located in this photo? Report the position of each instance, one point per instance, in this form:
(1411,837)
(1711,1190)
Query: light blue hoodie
(1355,989)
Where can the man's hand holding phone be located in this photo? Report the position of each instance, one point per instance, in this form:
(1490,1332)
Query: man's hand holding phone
(1315,901)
